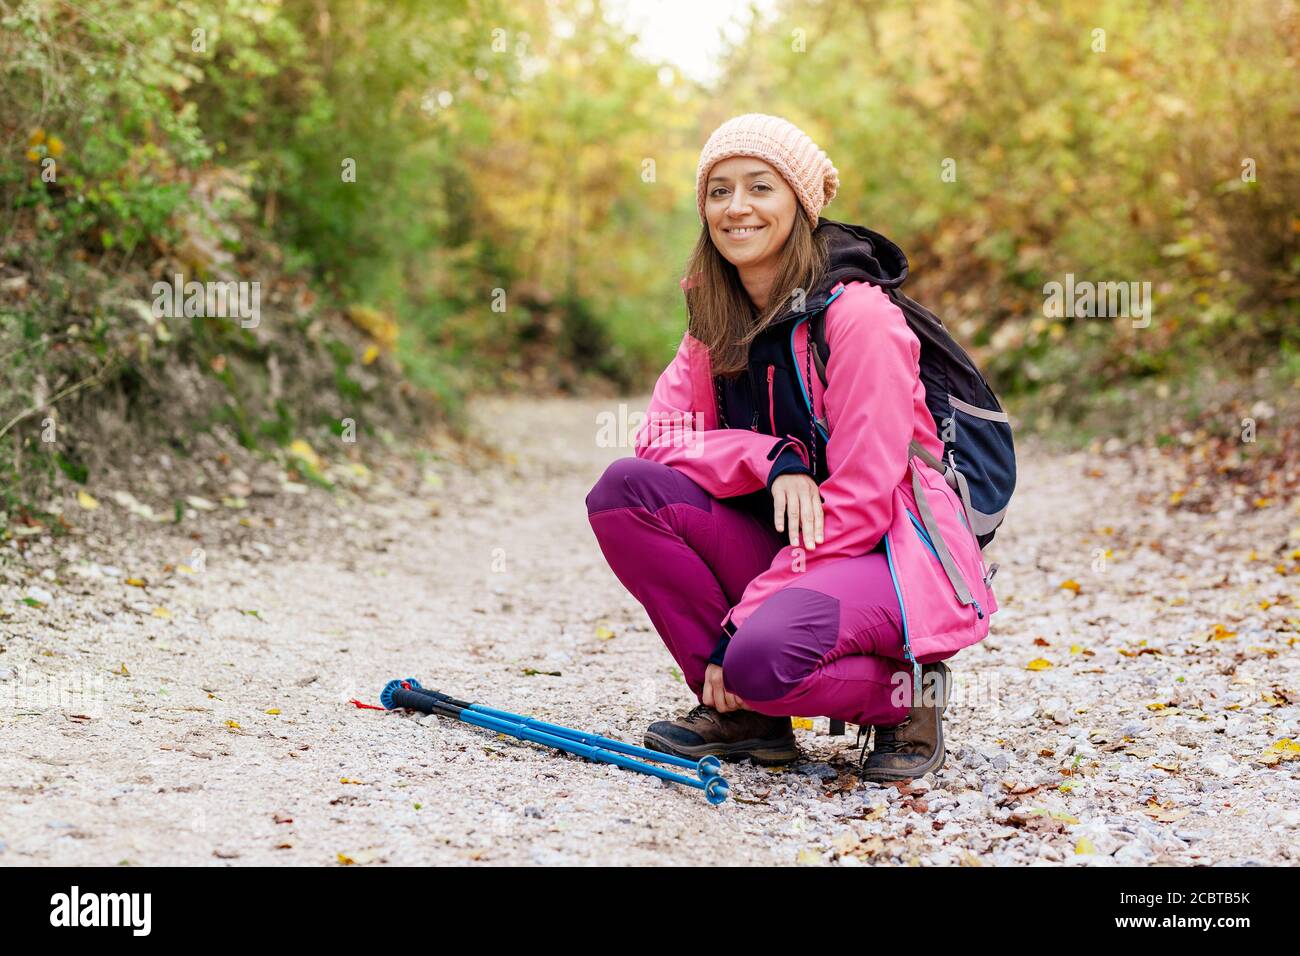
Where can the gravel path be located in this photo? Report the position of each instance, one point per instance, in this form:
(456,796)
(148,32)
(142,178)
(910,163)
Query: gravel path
(179,692)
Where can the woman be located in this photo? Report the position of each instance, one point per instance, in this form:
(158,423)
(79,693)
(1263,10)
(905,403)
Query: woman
(769,529)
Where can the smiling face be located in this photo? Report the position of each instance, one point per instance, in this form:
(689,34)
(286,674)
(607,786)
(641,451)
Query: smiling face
(750,210)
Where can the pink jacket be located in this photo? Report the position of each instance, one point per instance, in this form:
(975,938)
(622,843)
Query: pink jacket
(874,406)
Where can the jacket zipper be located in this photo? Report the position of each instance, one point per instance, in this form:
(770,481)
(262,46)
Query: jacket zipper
(902,612)
(771,398)
(753,398)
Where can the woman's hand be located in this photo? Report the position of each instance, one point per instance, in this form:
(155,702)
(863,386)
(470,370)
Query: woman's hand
(716,695)
(796,497)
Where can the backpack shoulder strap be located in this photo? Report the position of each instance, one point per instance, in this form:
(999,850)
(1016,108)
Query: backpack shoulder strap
(821,349)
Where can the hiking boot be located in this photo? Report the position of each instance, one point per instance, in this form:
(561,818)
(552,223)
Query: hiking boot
(914,747)
(732,736)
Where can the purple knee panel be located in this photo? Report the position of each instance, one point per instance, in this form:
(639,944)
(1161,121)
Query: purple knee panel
(642,483)
(781,644)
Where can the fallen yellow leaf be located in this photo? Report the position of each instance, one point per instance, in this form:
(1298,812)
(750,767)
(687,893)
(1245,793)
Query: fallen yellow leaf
(1161,815)
(233,724)
(1084,847)
(801,723)
(1284,749)
(274,711)
(87,501)
(371,353)
(1038,664)
(305,452)
(161,612)
(137,582)
(1070,585)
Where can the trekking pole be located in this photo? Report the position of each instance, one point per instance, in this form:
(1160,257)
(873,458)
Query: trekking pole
(715,788)
(706,767)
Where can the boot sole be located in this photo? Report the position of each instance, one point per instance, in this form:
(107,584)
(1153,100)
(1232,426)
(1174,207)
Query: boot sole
(762,752)
(940,752)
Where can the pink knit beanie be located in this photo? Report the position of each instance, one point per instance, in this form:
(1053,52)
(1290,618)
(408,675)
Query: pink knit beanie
(779,142)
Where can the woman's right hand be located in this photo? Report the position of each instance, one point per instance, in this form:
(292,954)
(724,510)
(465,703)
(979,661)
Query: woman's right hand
(716,694)
(797,501)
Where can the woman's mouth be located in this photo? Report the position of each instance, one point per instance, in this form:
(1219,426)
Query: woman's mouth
(740,233)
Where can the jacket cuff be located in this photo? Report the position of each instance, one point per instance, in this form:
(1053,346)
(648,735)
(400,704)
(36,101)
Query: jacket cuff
(720,649)
(789,457)
(788,462)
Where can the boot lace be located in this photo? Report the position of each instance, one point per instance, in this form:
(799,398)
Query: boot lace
(698,712)
(885,741)
(888,742)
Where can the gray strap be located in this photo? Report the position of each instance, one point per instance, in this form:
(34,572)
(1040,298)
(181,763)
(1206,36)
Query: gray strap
(817,361)
(816,352)
(963,492)
(932,528)
(920,451)
(977,522)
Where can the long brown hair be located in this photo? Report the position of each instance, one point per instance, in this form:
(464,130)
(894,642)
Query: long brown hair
(723,317)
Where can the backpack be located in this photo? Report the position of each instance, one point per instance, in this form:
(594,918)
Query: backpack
(979,459)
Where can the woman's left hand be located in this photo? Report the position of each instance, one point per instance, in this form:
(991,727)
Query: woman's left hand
(797,504)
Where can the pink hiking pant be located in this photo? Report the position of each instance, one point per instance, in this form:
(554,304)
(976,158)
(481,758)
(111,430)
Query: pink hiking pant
(829,646)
